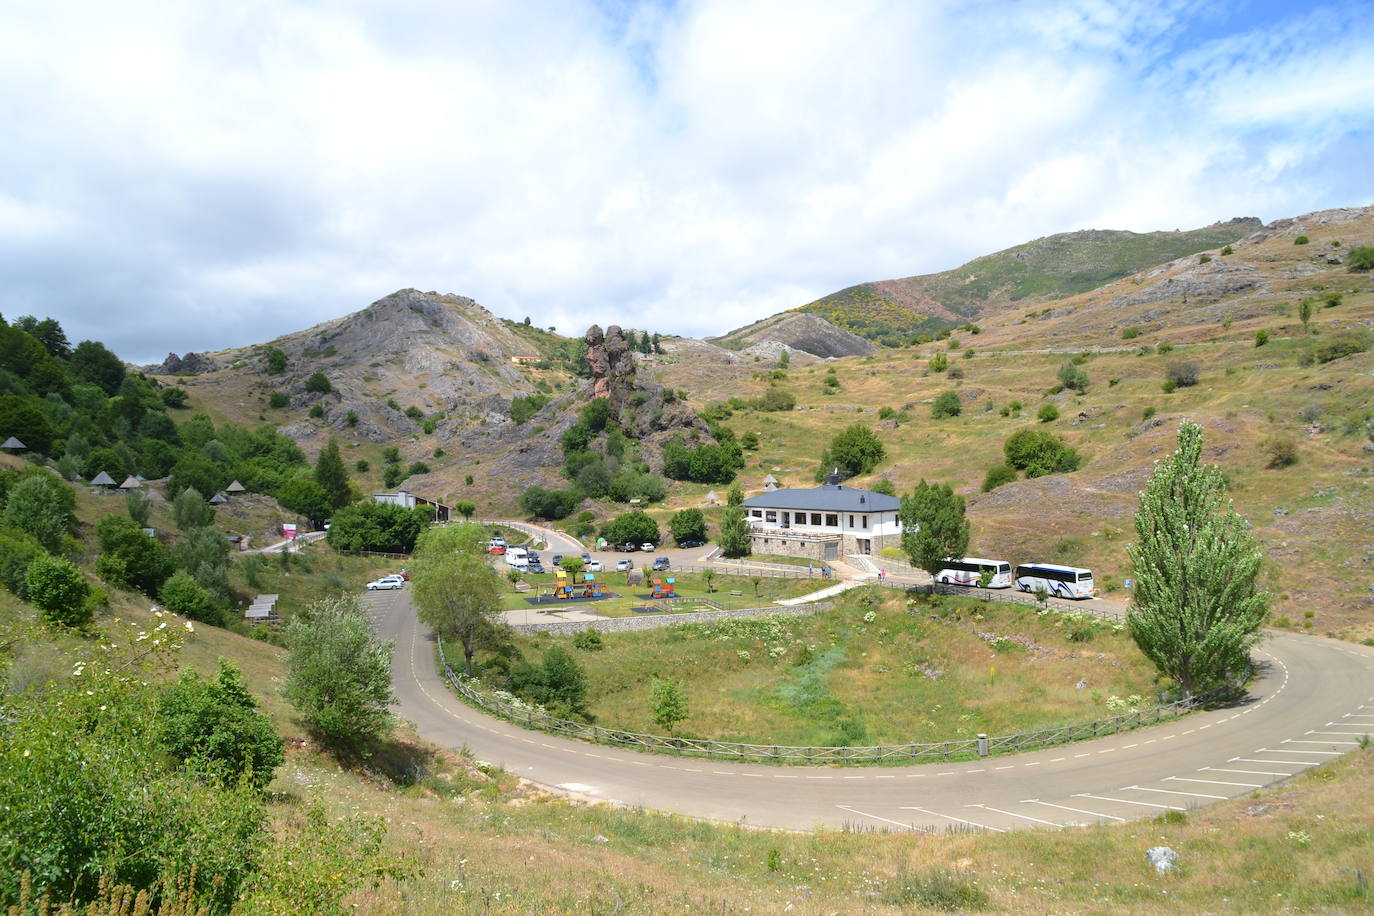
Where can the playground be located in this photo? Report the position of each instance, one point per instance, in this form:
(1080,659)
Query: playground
(644,592)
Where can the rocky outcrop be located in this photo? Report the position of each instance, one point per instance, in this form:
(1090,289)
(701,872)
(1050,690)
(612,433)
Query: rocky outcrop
(190,364)
(612,364)
(801,331)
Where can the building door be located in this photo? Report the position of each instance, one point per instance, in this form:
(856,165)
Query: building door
(832,550)
(865,546)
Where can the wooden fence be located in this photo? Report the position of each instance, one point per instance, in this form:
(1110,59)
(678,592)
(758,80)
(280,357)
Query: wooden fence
(962,748)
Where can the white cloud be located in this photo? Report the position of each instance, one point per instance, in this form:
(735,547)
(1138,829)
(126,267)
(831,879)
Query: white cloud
(189,176)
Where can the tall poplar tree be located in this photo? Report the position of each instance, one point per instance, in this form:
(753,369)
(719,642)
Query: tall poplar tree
(1198,607)
(734,532)
(331,474)
(933,526)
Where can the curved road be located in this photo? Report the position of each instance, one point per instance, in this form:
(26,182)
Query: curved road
(1313,700)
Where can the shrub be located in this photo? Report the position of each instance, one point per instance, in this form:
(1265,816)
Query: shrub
(1341,345)
(1227,250)
(1204,259)
(1164,348)
(1130,333)
(632,528)
(1071,376)
(588,641)
(937,889)
(318,383)
(339,676)
(938,363)
(17,550)
(549,504)
(174,397)
(1361,259)
(946,405)
(1039,453)
(1168,386)
(217,726)
(1183,373)
(361,466)
(182,594)
(1261,337)
(1301,240)
(277,400)
(1047,413)
(1147,413)
(998,474)
(1331,299)
(57,589)
(856,450)
(1280,452)
(557,683)
(316,411)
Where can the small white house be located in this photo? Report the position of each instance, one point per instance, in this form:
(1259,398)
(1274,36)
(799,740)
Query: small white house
(410,501)
(823,523)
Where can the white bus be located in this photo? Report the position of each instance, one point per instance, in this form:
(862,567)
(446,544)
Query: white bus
(969,571)
(1059,581)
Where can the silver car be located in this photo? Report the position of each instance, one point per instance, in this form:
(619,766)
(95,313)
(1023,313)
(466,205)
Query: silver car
(386,582)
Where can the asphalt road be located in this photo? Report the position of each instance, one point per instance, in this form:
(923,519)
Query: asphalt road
(1312,701)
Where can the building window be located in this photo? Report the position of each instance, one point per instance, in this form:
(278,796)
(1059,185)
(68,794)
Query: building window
(786,519)
(865,520)
(816,519)
(832,520)
(756,513)
(770,516)
(851,521)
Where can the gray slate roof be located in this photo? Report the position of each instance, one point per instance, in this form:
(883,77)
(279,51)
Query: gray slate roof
(828,498)
(12,442)
(102,480)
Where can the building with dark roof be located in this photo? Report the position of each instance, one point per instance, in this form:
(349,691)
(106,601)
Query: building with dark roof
(823,523)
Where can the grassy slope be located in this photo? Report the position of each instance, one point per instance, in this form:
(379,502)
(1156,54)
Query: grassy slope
(1051,268)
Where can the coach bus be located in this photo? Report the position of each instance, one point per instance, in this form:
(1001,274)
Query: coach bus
(970,570)
(1059,581)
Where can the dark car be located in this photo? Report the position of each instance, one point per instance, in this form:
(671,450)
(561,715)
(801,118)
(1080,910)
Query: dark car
(691,543)
(534,567)
(532,556)
(626,548)
(661,564)
(558,559)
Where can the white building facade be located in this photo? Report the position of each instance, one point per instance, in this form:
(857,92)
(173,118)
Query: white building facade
(824,523)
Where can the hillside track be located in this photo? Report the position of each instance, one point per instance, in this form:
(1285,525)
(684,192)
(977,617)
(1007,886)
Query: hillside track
(1312,701)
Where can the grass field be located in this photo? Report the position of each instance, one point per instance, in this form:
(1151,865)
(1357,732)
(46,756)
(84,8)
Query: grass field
(874,670)
(688,585)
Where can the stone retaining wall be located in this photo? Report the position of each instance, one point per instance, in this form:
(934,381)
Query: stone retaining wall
(652,622)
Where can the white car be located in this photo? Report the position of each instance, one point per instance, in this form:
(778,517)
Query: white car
(593,566)
(647,547)
(386,582)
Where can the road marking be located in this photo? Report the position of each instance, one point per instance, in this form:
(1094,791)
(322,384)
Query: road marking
(1356,734)
(1125,802)
(1279,750)
(1172,792)
(953,818)
(1218,782)
(1296,763)
(1036,801)
(1251,772)
(1014,814)
(1301,741)
(875,817)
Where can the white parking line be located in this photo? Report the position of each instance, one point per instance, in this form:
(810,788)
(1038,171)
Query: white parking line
(953,818)
(1036,801)
(1251,772)
(1279,750)
(1014,814)
(1301,741)
(1215,782)
(1296,763)
(1356,734)
(875,817)
(1172,792)
(1125,802)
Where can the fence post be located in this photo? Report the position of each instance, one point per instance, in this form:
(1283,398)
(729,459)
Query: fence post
(982,745)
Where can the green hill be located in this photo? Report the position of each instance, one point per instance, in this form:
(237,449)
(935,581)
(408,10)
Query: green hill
(894,312)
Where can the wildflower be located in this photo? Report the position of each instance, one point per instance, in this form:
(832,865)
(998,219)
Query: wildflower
(189,628)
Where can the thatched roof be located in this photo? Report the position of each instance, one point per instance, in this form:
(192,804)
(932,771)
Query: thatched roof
(102,480)
(235,487)
(770,479)
(131,483)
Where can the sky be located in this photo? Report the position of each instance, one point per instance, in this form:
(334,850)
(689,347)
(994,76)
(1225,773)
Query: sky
(192,176)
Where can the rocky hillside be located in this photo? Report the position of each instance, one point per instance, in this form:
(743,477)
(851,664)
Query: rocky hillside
(807,333)
(894,311)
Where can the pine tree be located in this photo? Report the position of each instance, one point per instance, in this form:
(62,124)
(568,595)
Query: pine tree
(331,474)
(933,526)
(1198,608)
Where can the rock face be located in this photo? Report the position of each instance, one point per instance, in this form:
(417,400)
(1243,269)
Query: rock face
(808,333)
(190,364)
(611,362)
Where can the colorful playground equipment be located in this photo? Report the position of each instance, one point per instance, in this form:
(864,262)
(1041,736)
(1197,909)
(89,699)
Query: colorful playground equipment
(591,587)
(562,588)
(663,588)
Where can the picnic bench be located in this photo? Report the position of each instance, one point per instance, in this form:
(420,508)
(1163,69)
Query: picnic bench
(263,610)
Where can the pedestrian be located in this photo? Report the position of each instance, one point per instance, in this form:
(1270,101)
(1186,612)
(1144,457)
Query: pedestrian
(809,571)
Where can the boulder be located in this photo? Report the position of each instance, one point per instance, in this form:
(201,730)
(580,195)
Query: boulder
(1162,859)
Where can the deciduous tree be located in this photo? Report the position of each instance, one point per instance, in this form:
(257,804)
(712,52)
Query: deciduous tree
(338,674)
(933,526)
(456,592)
(1198,606)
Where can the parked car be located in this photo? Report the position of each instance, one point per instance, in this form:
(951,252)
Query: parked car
(403,573)
(661,564)
(532,556)
(497,549)
(534,567)
(386,582)
(593,566)
(691,543)
(625,564)
(557,559)
(647,547)
(497,539)
(626,548)
(586,558)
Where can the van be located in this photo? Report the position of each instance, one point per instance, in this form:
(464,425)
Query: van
(517,556)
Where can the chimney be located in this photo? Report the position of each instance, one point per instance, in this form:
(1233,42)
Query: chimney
(833,478)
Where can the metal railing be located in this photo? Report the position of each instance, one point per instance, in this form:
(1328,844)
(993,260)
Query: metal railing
(962,748)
